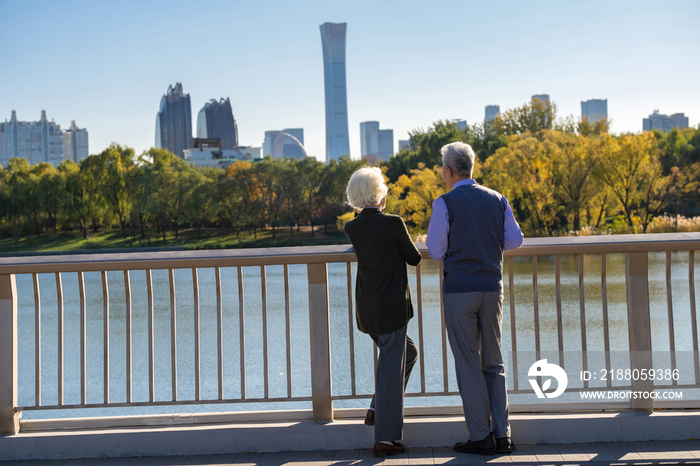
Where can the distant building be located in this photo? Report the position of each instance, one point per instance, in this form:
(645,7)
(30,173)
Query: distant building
(333,43)
(208,153)
(375,141)
(492,111)
(36,141)
(75,143)
(371,159)
(404,144)
(594,109)
(542,97)
(288,143)
(663,122)
(215,120)
(461,124)
(174,121)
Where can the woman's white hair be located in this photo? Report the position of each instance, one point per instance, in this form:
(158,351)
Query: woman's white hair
(459,157)
(366,187)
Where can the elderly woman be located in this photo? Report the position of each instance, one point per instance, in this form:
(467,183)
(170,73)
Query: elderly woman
(383,247)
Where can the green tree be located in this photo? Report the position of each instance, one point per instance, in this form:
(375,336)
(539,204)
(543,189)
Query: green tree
(115,164)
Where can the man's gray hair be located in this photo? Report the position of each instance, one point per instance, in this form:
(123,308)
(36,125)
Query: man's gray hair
(459,157)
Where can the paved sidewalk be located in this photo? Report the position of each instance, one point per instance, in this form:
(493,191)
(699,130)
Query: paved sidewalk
(633,453)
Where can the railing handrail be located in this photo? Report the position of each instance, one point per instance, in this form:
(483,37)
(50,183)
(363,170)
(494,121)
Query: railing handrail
(324,254)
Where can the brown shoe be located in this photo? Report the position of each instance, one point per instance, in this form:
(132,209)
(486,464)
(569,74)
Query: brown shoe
(369,417)
(382,449)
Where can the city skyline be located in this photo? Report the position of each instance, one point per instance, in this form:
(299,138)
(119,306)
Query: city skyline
(274,74)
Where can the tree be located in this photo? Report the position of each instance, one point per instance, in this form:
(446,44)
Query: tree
(628,167)
(522,172)
(412,196)
(115,164)
(531,117)
(310,183)
(573,161)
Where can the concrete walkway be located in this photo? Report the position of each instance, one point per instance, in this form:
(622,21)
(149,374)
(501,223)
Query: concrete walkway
(633,453)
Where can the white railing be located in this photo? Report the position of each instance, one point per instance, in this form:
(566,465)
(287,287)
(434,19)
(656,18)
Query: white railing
(317,258)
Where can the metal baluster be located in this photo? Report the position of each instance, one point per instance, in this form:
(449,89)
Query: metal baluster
(288,327)
(127,291)
(582,305)
(536,307)
(514,344)
(219,331)
(37,340)
(693,314)
(241,329)
(105,335)
(669,306)
(195,287)
(151,343)
(351,332)
(266,375)
(83,338)
(560,325)
(446,387)
(421,355)
(59,320)
(173,334)
(606,321)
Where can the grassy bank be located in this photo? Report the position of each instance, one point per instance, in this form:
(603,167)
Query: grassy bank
(187,239)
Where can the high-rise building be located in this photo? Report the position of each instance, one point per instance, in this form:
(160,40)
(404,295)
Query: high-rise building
(215,120)
(369,137)
(492,111)
(333,42)
(542,97)
(288,143)
(594,109)
(459,123)
(75,143)
(174,121)
(404,144)
(375,141)
(664,122)
(36,141)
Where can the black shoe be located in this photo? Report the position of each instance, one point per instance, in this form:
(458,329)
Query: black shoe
(369,417)
(479,447)
(504,446)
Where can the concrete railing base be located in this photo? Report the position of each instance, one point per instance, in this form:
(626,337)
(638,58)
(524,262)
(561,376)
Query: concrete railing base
(337,435)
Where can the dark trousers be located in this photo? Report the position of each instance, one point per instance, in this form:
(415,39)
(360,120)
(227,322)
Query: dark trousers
(397,356)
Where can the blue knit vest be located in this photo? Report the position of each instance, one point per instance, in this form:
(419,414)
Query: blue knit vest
(474,260)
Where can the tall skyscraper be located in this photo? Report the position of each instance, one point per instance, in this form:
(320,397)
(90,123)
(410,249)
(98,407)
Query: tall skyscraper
(664,122)
(36,141)
(375,141)
(174,121)
(215,120)
(542,97)
(492,111)
(333,42)
(75,143)
(594,109)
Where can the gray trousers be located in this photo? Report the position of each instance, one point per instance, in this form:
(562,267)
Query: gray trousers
(393,370)
(473,322)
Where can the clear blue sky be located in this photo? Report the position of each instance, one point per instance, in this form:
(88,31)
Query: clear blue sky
(409,63)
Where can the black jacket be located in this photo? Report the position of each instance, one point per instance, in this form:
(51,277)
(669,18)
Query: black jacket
(383,247)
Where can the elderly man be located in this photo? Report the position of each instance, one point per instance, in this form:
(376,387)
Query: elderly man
(470,228)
